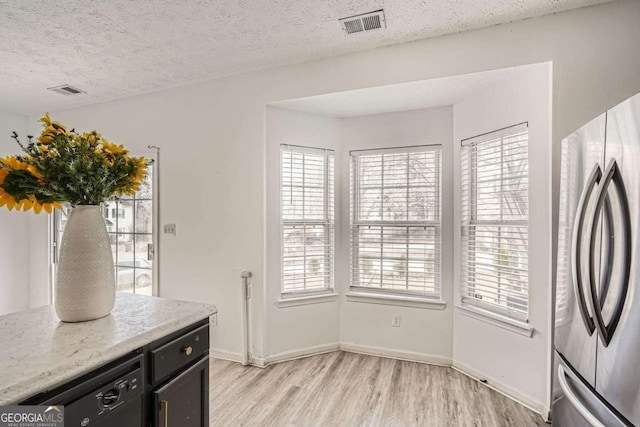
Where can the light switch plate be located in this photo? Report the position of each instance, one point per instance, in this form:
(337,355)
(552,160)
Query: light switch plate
(395,320)
(170,229)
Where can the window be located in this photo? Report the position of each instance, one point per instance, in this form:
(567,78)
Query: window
(395,220)
(130,223)
(495,213)
(307,219)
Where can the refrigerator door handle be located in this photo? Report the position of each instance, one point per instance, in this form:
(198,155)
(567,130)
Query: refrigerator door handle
(608,263)
(606,332)
(586,414)
(576,248)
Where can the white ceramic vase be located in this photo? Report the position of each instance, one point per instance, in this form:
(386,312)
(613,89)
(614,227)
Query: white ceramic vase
(85,281)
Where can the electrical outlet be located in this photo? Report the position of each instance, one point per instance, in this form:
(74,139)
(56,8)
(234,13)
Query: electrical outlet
(170,229)
(214,320)
(395,320)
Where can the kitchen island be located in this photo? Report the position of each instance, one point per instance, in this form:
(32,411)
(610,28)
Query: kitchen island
(39,355)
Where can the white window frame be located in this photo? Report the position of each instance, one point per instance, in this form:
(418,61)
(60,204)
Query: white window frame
(328,223)
(469,298)
(356,223)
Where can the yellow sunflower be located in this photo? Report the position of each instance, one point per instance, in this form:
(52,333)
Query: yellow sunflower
(8,200)
(51,130)
(113,149)
(140,171)
(55,125)
(138,175)
(39,207)
(14,164)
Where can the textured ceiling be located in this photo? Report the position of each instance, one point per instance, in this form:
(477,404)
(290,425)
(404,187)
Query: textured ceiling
(401,97)
(117,48)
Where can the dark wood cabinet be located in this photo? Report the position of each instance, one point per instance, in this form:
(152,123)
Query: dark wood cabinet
(177,388)
(184,400)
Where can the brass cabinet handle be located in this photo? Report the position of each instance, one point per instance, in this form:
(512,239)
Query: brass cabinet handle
(164,407)
(188,350)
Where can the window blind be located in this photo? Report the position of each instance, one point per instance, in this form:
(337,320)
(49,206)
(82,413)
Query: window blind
(395,220)
(495,214)
(307,219)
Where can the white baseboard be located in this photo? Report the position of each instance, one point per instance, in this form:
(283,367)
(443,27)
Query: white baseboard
(225,355)
(300,353)
(258,362)
(236,357)
(396,354)
(505,390)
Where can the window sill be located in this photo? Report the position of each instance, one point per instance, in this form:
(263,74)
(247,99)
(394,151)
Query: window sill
(505,323)
(307,299)
(399,300)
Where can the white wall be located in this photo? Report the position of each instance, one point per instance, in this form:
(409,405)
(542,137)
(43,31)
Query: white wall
(307,326)
(14,231)
(425,333)
(212,134)
(508,360)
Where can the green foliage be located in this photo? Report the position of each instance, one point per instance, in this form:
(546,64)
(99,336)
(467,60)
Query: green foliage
(64,166)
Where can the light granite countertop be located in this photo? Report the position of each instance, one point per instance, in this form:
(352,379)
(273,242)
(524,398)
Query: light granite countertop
(39,352)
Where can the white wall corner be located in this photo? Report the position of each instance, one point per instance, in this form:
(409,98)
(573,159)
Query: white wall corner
(258,362)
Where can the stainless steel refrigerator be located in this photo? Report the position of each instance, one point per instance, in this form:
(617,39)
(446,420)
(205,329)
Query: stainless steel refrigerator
(597,324)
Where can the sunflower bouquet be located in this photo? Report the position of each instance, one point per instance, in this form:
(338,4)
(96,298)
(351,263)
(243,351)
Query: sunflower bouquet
(64,166)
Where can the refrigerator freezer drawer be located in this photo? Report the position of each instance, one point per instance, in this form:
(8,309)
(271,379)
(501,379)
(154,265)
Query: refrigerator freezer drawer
(577,405)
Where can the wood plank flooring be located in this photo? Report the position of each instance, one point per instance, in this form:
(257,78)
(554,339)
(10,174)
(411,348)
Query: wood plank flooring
(348,389)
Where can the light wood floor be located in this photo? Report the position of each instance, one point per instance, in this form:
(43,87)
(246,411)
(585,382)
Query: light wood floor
(347,389)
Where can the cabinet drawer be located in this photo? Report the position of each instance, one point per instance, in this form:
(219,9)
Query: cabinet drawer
(179,353)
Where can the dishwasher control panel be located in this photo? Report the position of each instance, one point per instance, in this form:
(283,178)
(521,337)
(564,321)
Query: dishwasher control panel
(118,392)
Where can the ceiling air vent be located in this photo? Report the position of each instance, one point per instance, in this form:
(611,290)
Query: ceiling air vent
(66,90)
(365,22)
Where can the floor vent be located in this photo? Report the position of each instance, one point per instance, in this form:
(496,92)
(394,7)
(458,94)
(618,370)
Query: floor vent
(66,90)
(365,22)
